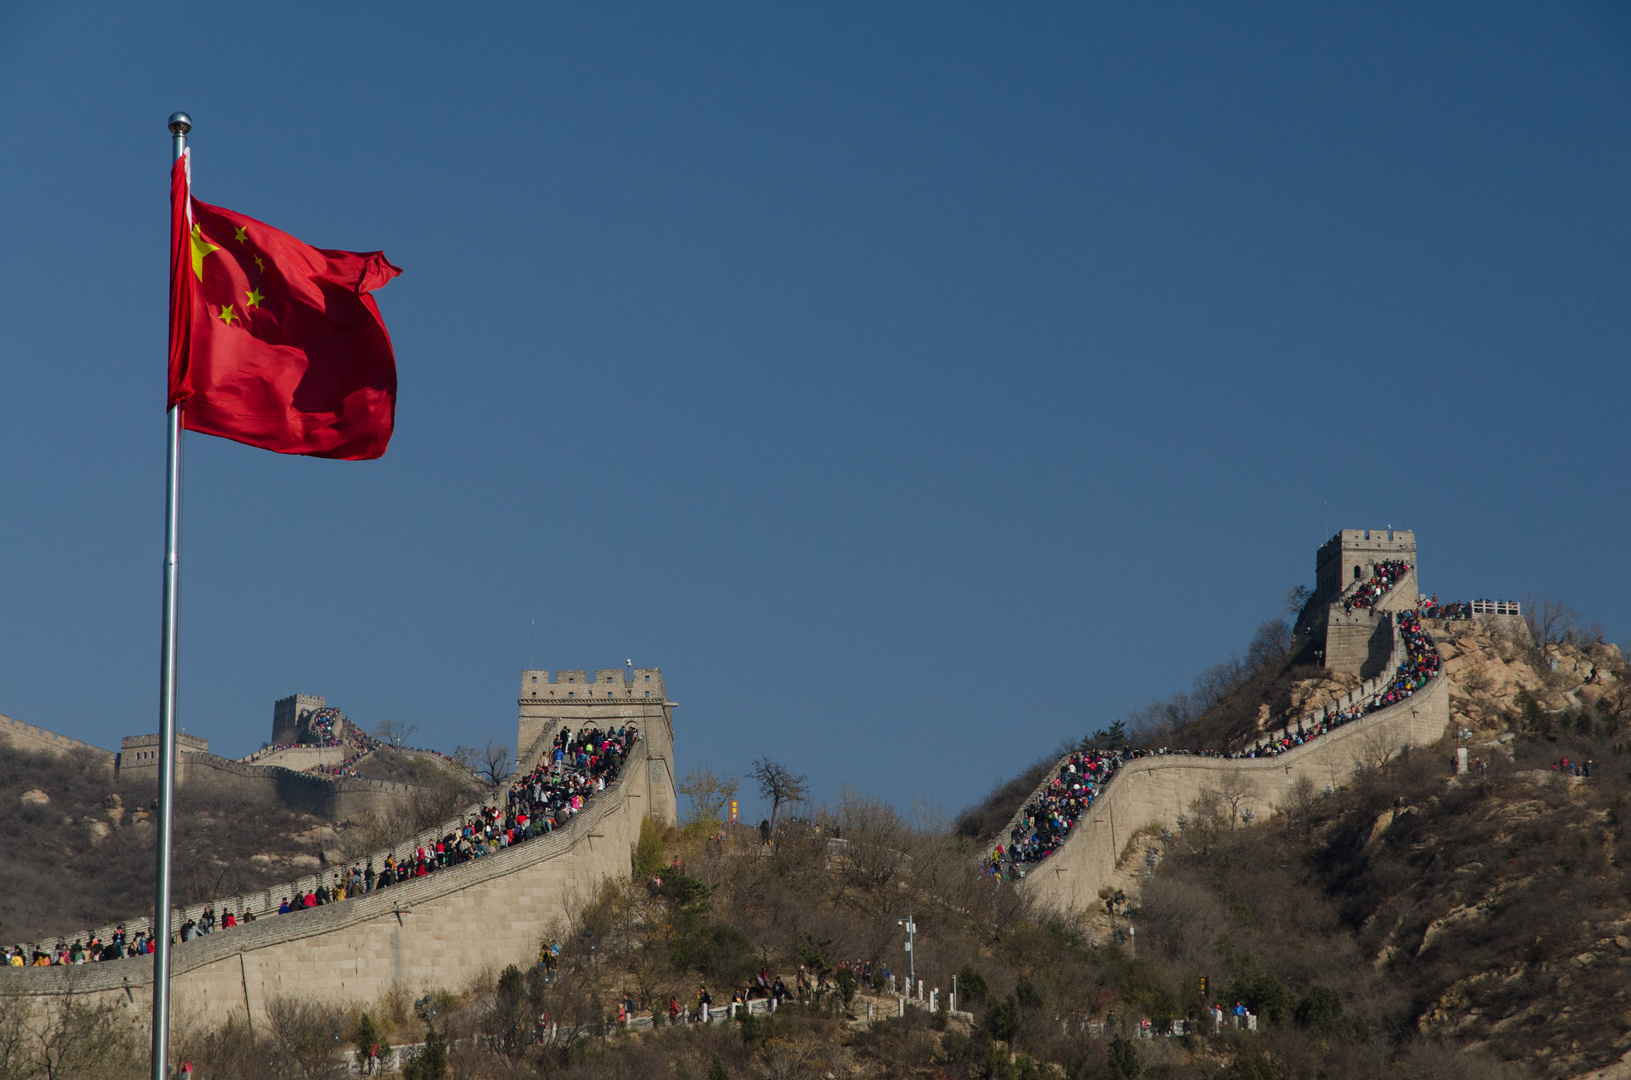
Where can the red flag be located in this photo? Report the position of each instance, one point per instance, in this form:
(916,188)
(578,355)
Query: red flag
(273,342)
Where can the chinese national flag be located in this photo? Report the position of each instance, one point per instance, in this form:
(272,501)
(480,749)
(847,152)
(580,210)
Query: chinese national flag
(272,342)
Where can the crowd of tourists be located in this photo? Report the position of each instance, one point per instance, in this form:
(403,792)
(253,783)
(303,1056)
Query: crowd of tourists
(1431,608)
(575,768)
(1054,811)
(322,727)
(1387,573)
(561,786)
(1421,663)
(120,944)
(1046,821)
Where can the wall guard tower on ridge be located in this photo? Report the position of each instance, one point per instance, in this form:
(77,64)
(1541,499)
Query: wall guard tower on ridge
(611,698)
(1359,641)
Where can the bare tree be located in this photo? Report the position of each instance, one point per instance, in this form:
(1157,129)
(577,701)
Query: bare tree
(779,784)
(1270,647)
(875,838)
(709,795)
(307,1036)
(1235,791)
(394,732)
(1297,598)
(1301,799)
(15,1057)
(1549,619)
(79,1038)
(493,761)
(1375,749)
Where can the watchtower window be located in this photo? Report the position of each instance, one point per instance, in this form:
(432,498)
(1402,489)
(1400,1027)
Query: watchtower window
(1356,573)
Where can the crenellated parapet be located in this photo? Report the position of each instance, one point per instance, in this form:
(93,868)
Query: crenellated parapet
(1352,637)
(606,698)
(34,739)
(425,933)
(1157,789)
(1063,840)
(1352,555)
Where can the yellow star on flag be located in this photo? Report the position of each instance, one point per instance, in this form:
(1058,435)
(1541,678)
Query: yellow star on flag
(239,234)
(259,263)
(201,248)
(227,315)
(255,297)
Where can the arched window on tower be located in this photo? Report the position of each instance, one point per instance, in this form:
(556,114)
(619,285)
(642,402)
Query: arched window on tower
(1356,573)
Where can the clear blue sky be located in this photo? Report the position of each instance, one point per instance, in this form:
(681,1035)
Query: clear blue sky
(915,385)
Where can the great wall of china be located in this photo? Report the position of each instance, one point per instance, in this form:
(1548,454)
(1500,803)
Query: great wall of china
(1151,793)
(423,933)
(439,930)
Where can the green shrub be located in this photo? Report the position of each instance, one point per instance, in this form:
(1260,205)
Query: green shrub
(1002,1020)
(971,986)
(1263,994)
(717,950)
(1123,1059)
(431,1064)
(1319,1009)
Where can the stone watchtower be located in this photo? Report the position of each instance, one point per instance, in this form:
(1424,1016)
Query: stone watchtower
(1359,641)
(289,716)
(612,697)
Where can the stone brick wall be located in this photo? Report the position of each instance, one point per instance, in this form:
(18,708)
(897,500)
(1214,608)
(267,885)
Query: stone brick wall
(1153,791)
(337,798)
(1358,642)
(571,699)
(299,758)
(287,713)
(432,932)
(37,740)
(1358,550)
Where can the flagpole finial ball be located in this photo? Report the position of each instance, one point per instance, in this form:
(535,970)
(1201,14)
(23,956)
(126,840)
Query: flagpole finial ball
(180,123)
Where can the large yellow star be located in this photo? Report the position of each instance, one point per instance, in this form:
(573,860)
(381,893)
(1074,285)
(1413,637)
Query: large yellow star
(201,248)
(239,235)
(254,297)
(227,315)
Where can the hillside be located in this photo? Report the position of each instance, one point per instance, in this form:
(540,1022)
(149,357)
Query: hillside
(81,852)
(1414,923)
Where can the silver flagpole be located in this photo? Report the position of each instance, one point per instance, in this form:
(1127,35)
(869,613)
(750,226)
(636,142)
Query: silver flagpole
(180,124)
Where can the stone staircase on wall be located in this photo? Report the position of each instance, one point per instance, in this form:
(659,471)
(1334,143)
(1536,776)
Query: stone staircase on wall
(265,902)
(1367,689)
(1351,638)
(1153,790)
(433,932)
